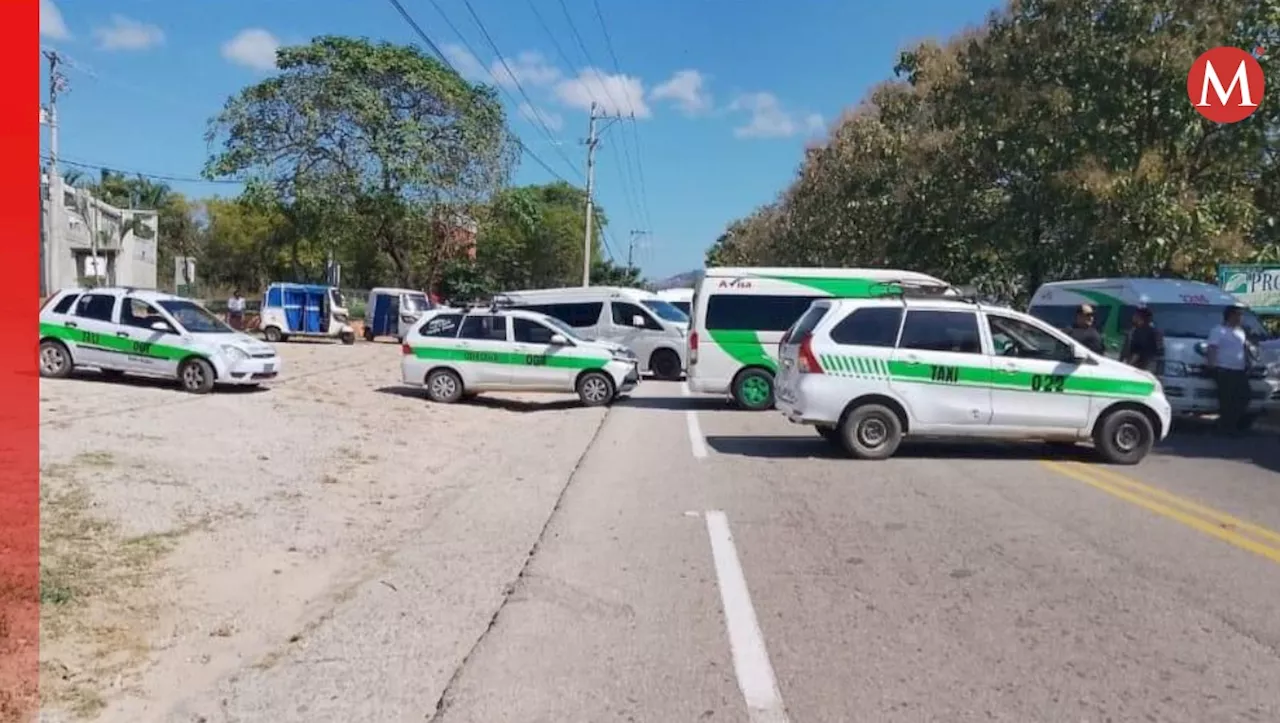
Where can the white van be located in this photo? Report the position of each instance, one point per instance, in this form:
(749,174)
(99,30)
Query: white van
(682,299)
(740,315)
(1184,312)
(637,319)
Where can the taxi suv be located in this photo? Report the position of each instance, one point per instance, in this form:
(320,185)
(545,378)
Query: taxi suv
(868,373)
(458,353)
(149,333)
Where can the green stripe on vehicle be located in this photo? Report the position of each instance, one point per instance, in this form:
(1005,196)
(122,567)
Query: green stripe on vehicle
(1110,331)
(850,288)
(555,361)
(110,342)
(744,347)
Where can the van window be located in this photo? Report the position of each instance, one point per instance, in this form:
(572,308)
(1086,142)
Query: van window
(484,327)
(576,315)
(1191,321)
(64,304)
(870,326)
(949,331)
(683,306)
(1063,317)
(623,313)
(734,312)
(442,325)
(96,306)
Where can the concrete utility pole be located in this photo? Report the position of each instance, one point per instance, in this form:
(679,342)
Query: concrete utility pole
(57,228)
(592,142)
(631,246)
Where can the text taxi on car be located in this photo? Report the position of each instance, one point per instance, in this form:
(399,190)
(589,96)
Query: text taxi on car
(868,372)
(149,333)
(457,353)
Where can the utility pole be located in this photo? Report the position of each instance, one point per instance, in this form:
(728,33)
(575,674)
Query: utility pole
(592,142)
(57,228)
(631,246)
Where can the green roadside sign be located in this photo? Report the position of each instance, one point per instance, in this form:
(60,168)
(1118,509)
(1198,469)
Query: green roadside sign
(1257,285)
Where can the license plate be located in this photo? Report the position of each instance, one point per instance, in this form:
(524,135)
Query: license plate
(268,368)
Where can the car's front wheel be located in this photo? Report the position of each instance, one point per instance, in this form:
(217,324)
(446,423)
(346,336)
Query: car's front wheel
(1124,436)
(196,376)
(595,389)
(55,359)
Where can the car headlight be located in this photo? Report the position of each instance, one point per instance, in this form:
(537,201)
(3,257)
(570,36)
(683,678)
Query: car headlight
(234,353)
(1273,370)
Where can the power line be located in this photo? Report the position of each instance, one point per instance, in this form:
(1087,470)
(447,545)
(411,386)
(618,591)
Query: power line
(63,161)
(441,57)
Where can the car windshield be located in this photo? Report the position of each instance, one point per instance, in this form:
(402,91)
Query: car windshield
(666,311)
(563,328)
(414,302)
(195,318)
(1194,321)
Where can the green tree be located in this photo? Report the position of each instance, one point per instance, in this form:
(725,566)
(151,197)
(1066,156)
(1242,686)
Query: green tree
(531,237)
(363,140)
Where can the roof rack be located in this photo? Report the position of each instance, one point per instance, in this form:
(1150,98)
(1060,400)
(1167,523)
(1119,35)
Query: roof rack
(495,304)
(917,289)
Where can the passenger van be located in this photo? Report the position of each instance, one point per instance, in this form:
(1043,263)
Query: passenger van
(682,299)
(637,319)
(740,315)
(1185,312)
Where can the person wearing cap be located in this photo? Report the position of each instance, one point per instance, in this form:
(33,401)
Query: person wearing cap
(1144,343)
(1228,361)
(1084,333)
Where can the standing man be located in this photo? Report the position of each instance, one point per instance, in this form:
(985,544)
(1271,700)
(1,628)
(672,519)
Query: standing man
(1228,357)
(1084,333)
(1144,343)
(235,311)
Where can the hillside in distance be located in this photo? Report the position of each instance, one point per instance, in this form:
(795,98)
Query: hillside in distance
(683,280)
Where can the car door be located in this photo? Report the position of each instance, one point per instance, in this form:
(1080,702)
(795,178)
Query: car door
(640,338)
(939,369)
(93,332)
(486,350)
(536,367)
(1035,384)
(151,351)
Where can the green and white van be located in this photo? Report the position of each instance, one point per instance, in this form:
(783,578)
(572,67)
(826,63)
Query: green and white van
(1185,312)
(740,316)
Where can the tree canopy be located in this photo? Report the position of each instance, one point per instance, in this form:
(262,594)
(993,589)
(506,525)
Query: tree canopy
(1056,141)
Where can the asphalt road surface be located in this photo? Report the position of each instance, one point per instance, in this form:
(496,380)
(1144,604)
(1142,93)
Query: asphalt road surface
(706,564)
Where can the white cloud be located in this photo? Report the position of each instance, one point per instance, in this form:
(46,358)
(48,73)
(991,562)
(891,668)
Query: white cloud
(686,88)
(612,94)
(770,120)
(253,48)
(466,63)
(553,121)
(51,23)
(128,34)
(528,69)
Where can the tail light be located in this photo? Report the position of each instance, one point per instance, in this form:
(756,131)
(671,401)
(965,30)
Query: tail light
(405,349)
(807,362)
(693,347)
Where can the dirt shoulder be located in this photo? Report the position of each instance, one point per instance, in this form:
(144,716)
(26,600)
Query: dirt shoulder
(331,538)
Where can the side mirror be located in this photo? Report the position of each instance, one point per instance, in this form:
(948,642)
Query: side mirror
(161,326)
(559,340)
(1202,348)
(1078,357)
(637,321)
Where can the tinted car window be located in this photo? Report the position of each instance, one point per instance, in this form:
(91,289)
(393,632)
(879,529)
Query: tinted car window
(950,331)
(64,304)
(872,326)
(528,331)
(575,315)
(1063,317)
(806,323)
(140,314)
(484,327)
(1012,337)
(96,306)
(755,313)
(624,312)
(442,325)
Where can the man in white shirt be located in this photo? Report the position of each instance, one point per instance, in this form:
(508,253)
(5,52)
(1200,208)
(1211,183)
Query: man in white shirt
(235,310)
(1229,359)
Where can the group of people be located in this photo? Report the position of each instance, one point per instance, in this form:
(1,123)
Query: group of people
(1228,357)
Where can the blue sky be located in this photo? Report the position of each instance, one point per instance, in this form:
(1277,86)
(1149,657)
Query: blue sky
(726,92)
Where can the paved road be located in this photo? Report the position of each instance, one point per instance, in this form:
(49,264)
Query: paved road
(713,565)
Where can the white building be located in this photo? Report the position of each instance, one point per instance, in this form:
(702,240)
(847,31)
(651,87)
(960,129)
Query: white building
(91,242)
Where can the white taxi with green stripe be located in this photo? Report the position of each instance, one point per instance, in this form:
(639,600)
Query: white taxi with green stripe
(148,333)
(458,353)
(739,316)
(868,373)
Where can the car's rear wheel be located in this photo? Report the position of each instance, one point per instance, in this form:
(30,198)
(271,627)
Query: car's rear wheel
(753,389)
(665,365)
(595,389)
(444,386)
(1124,436)
(196,376)
(871,432)
(55,359)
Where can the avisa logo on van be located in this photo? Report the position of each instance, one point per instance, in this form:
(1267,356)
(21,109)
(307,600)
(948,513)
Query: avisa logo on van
(1226,84)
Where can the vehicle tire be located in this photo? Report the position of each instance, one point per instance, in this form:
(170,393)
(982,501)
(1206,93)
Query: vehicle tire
(753,390)
(444,386)
(272,334)
(55,360)
(665,365)
(872,432)
(1124,436)
(348,337)
(196,376)
(368,335)
(595,389)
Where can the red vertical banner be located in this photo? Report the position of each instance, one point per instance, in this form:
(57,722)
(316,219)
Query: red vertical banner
(20,241)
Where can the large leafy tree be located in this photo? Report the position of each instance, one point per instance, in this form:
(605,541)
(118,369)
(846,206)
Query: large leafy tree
(367,143)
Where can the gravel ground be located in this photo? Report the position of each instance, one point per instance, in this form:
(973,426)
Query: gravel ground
(202,552)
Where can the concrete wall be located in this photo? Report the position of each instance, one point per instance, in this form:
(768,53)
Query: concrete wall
(128,259)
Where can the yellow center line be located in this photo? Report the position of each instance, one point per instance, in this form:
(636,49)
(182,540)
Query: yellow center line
(1089,475)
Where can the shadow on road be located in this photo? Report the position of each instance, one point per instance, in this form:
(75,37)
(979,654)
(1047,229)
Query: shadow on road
(139,382)
(503,403)
(784,447)
(680,404)
(1196,439)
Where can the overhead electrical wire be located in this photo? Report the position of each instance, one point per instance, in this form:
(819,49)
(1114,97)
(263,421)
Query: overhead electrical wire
(64,161)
